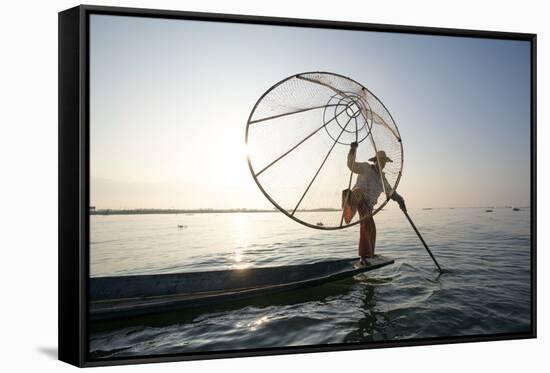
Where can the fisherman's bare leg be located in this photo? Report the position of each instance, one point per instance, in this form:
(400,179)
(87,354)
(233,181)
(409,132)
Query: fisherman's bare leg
(349,205)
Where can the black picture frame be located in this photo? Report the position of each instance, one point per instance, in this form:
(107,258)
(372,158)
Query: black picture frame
(74,176)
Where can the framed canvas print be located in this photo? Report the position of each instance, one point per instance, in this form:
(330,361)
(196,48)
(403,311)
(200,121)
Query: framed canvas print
(236,186)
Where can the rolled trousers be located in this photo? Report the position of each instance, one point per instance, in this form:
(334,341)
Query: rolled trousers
(367,229)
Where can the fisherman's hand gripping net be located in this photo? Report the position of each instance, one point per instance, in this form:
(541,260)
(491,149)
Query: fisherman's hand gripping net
(298,136)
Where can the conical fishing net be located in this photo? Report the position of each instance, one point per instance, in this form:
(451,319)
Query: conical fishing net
(298,137)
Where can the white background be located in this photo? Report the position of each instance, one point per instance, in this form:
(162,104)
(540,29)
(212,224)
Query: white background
(28,194)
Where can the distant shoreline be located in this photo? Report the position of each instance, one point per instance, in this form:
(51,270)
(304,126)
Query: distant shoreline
(224,211)
(195,211)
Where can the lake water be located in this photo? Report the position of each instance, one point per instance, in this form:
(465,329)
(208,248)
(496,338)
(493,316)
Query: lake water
(485,291)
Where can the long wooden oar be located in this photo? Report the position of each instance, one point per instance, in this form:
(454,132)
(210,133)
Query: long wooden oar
(423,242)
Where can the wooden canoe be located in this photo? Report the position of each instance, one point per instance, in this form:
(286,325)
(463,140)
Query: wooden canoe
(126,296)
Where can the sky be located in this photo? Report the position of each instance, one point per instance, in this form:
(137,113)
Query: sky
(169,102)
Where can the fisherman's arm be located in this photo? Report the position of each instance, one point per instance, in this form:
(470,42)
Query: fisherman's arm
(352,165)
(400,201)
(395,196)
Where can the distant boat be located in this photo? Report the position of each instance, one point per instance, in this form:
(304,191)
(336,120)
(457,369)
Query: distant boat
(515,209)
(488,210)
(182,226)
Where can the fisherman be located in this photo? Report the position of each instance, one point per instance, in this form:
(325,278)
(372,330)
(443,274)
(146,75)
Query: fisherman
(363,198)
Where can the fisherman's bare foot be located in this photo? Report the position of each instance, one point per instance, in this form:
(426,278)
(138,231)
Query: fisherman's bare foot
(361,263)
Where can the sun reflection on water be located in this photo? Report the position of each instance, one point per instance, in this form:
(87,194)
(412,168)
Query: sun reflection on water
(252,326)
(240,227)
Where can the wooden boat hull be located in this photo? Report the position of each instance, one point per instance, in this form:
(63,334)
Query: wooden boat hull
(127,296)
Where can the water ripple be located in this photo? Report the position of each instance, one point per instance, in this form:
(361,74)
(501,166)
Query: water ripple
(484,290)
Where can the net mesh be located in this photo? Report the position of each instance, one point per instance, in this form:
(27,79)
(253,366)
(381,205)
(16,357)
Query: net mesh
(298,138)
